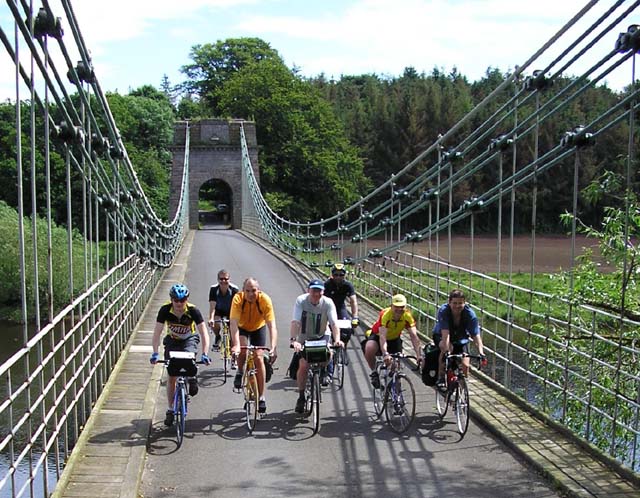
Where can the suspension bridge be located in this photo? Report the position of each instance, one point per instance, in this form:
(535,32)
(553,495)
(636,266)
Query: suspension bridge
(79,390)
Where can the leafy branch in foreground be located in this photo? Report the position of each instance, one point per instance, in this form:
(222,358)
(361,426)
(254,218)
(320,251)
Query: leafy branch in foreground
(616,291)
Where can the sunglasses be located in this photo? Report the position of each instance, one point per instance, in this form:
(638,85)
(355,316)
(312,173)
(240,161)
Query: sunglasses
(223,279)
(339,274)
(183,300)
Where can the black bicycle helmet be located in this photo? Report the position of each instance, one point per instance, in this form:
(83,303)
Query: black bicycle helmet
(178,291)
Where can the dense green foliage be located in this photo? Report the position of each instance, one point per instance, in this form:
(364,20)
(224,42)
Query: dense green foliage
(392,119)
(10,294)
(145,120)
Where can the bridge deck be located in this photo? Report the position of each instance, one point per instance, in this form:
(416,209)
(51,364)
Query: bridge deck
(109,458)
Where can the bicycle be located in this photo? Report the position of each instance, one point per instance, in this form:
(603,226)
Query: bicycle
(228,362)
(456,391)
(396,396)
(340,358)
(181,364)
(249,387)
(317,355)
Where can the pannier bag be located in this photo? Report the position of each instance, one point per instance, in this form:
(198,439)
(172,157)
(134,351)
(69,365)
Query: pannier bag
(430,366)
(293,366)
(316,351)
(182,363)
(268,367)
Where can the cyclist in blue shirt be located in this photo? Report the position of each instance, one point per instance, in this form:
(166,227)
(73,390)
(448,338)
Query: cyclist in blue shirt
(456,324)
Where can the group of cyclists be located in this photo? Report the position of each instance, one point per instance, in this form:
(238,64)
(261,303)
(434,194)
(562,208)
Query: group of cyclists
(315,318)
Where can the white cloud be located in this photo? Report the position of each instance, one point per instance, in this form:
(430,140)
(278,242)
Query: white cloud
(130,40)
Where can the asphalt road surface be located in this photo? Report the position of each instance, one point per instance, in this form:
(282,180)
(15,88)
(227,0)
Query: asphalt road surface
(353,454)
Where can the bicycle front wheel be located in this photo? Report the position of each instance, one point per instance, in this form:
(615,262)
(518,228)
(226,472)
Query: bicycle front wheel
(180,413)
(400,406)
(338,367)
(442,401)
(462,406)
(315,402)
(251,401)
(379,397)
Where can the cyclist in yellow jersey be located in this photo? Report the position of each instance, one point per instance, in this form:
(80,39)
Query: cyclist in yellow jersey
(385,335)
(185,328)
(250,317)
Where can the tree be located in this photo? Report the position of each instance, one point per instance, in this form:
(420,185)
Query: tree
(145,119)
(214,64)
(305,149)
(618,236)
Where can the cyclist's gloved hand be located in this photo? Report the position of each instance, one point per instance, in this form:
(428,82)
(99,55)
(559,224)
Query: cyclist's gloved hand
(483,360)
(154,358)
(355,322)
(205,359)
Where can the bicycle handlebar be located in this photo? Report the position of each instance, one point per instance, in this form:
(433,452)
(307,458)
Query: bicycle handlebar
(330,346)
(478,357)
(198,362)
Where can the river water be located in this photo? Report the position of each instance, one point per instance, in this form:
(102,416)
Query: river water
(12,340)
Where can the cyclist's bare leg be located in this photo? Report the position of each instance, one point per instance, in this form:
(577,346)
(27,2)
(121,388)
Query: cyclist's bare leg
(466,362)
(171,390)
(216,328)
(301,376)
(244,341)
(371,349)
(216,325)
(260,371)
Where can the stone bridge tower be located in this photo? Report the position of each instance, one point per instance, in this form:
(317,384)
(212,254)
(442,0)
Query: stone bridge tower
(215,154)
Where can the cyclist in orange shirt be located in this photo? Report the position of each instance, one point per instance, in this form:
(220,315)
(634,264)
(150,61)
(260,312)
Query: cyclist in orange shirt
(250,317)
(384,337)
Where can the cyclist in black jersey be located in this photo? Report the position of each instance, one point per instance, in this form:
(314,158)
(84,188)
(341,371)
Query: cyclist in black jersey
(339,290)
(185,328)
(220,296)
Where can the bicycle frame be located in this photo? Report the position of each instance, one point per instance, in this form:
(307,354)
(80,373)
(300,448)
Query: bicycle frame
(250,387)
(398,397)
(456,392)
(181,397)
(225,346)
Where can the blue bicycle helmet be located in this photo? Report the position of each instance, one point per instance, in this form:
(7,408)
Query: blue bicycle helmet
(178,291)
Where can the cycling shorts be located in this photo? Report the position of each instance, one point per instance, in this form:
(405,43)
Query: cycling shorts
(190,344)
(393,346)
(257,337)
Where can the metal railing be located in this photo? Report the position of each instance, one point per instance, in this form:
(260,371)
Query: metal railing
(574,360)
(85,279)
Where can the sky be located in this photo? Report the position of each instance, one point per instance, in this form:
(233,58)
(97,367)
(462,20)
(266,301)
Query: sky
(137,42)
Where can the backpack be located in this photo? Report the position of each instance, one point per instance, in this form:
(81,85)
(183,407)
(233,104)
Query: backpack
(430,366)
(257,303)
